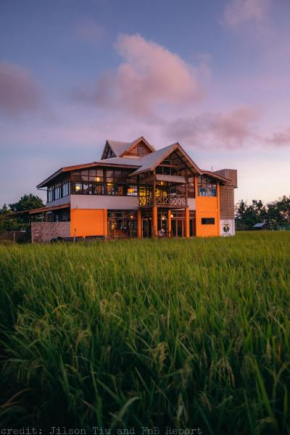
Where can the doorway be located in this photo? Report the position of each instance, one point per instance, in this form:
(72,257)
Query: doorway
(146,227)
(177,227)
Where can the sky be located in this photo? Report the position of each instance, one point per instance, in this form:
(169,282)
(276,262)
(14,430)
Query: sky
(213,75)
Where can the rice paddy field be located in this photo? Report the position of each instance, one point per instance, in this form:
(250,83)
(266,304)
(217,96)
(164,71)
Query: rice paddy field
(180,334)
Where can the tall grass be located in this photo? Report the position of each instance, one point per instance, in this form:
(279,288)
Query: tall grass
(180,333)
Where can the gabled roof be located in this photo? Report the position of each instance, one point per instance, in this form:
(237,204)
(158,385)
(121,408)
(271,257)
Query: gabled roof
(140,164)
(152,160)
(121,148)
(117,147)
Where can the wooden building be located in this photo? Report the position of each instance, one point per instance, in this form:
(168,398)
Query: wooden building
(137,191)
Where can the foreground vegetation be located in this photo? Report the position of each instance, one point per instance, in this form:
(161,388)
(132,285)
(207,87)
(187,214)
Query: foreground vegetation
(180,333)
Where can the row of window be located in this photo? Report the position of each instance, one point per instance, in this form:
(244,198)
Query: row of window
(101,175)
(110,187)
(61,190)
(104,189)
(206,187)
(203,191)
(58,191)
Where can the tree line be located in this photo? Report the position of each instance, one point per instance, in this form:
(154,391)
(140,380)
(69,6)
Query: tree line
(275,214)
(26,202)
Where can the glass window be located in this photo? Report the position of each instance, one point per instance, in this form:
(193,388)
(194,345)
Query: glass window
(65,189)
(110,175)
(76,176)
(191,190)
(206,186)
(78,188)
(207,221)
(57,192)
(99,189)
(112,189)
(50,194)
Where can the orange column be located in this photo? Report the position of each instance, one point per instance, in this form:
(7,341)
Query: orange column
(187,233)
(139,224)
(154,222)
(169,221)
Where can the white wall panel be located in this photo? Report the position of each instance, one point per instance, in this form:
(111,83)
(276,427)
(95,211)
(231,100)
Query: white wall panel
(104,202)
(228,227)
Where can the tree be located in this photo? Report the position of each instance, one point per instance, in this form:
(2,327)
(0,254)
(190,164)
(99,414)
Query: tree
(275,214)
(5,224)
(249,215)
(27,202)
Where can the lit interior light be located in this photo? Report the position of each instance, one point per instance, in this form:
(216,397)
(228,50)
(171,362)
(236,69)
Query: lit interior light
(172,215)
(78,188)
(98,179)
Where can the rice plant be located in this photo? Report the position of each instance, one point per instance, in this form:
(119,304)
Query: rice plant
(148,333)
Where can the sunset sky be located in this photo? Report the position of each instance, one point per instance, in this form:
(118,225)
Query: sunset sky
(213,75)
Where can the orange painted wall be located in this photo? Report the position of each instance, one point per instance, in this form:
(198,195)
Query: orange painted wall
(208,207)
(86,222)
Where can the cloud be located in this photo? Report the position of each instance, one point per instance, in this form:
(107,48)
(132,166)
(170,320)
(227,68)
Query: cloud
(233,130)
(278,139)
(149,78)
(90,31)
(238,12)
(19,93)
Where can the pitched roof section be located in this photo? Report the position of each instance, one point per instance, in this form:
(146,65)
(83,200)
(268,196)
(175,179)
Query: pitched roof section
(116,146)
(121,148)
(152,160)
(115,161)
(215,176)
(141,164)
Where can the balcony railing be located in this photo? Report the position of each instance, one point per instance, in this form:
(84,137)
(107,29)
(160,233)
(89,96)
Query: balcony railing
(172,200)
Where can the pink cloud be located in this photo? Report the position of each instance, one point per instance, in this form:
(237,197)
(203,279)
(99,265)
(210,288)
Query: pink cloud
(90,31)
(150,77)
(238,12)
(232,130)
(278,139)
(19,93)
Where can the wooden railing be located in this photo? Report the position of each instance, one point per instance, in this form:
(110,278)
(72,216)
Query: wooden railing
(172,200)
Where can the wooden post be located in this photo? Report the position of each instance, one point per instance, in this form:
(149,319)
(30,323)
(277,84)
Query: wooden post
(169,222)
(139,224)
(154,221)
(187,232)
(154,190)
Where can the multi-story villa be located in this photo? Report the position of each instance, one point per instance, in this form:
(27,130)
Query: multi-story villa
(137,191)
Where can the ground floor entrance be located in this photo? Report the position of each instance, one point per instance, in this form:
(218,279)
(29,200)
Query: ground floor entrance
(165,223)
(170,223)
(122,224)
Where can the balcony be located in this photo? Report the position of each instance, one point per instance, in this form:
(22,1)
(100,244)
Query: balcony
(170,201)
